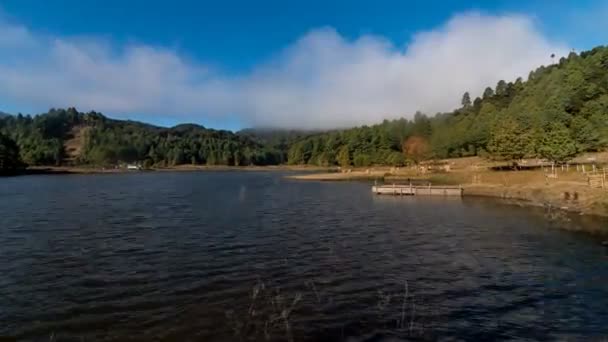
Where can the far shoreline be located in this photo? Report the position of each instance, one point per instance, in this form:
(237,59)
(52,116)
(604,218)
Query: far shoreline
(84,170)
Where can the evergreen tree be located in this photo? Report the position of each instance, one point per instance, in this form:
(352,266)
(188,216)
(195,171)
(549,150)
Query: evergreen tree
(501,87)
(343,157)
(466,100)
(488,93)
(586,136)
(556,144)
(509,140)
(9,155)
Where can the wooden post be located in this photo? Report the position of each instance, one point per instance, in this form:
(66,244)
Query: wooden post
(583,168)
(577,168)
(429,188)
(593,167)
(411,192)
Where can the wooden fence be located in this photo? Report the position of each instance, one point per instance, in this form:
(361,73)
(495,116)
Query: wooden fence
(597,179)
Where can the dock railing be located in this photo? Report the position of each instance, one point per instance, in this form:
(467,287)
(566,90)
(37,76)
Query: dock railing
(410,190)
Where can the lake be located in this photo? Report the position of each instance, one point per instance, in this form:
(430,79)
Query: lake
(220,256)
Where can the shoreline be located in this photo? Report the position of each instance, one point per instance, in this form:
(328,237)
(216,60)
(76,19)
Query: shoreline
(83,170)
(571,194)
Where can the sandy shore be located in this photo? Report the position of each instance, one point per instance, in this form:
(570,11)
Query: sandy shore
(341,176)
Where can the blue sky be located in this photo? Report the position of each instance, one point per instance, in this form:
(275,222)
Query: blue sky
(230,64)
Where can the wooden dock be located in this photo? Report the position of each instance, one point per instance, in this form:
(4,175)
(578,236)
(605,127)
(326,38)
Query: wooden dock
(412,190)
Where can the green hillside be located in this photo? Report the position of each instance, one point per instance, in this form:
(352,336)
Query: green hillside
(561,110)
(68,137)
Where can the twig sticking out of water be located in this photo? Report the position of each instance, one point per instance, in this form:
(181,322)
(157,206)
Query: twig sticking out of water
(254,294)
(268,310)
(405,294)
(285,316)
(383,301)
(412,317)
(314,289)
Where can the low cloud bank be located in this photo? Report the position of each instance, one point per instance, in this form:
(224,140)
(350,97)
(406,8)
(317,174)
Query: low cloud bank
(322,80)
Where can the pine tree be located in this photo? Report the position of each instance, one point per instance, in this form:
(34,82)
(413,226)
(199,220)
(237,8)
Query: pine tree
(466,100)
(488,93)
(556,144)
(9,155)
(343,157)
(501,87)
(509,140)
(586,136)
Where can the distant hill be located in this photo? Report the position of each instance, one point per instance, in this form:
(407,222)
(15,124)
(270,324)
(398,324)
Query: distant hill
(3,114)
(187,128)
(71,137)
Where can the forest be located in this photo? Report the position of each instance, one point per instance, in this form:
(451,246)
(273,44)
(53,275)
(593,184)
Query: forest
(560,111)
(68,137)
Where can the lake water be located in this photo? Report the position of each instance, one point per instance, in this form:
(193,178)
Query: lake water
(221,256)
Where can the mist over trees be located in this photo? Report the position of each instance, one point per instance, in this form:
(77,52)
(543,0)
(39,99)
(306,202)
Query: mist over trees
(559,112)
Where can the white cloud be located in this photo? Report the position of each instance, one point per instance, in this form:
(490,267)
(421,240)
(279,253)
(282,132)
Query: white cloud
(322,80)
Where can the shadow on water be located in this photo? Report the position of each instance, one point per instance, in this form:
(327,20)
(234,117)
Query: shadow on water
(252,256)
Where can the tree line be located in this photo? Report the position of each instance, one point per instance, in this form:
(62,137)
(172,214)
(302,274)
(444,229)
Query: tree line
(560,111)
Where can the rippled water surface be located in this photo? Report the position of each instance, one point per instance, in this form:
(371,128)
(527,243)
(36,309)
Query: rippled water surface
(223,256)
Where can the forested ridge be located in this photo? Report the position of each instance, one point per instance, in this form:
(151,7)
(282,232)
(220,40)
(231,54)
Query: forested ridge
(68,137)
(559,111)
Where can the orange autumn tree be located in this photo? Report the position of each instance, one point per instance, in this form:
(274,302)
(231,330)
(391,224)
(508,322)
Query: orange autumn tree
(416,148)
